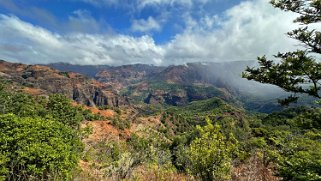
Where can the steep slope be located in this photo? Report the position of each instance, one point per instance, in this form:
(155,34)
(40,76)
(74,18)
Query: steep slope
(47,81)
(180,84)
(123,76)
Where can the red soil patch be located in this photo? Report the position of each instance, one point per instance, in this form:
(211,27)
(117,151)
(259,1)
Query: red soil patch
(106,113)
(32,91)
(127,133)
(73,103)
(101,130)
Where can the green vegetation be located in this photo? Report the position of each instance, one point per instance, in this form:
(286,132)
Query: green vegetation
(187,117)
(193,92)
(292,138)
(211,153)
(119,123)
(286,142)
(62,111)
(120,158)
(298,71)
(37,148)
(204,140)
(39,137)
(293,141)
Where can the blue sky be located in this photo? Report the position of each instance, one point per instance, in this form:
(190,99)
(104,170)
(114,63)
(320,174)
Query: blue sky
(119,32)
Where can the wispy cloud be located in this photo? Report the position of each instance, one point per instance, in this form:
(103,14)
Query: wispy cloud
(82,21)
(24,42)
(142,25)
(244,32)
(248,30)
(32,12)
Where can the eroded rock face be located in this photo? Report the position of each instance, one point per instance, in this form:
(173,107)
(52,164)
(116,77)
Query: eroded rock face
(123,76)
(76,86)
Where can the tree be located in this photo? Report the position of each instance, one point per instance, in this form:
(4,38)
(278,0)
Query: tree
(60,107)
(211,153)
(37,149)
(298,71)
(301,160)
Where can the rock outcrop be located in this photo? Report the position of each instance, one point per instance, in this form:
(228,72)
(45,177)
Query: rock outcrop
(76,86)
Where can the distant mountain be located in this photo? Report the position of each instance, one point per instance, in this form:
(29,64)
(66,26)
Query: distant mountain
(128,74)
(138,83)
(92,70)
(222,75)
(218,74)
(87,70)
(44,80)
(180,84)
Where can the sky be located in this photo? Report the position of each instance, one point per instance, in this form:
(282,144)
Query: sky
(159,32)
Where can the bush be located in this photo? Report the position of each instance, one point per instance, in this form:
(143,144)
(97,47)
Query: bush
(301,160)
(121,123)
(59,106)
(37,149)
(211,153)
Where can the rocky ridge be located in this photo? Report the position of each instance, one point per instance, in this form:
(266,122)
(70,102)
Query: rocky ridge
(74,85)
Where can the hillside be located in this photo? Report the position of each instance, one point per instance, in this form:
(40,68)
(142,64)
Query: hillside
(44,80)
(181,84)
(156,123)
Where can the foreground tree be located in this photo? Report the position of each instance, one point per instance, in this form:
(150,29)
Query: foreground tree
(37,149)
(60,107)
(211,154)
(298,71)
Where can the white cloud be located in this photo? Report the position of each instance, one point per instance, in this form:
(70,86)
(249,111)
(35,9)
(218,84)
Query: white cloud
(138,5)
(101,2)
(23,42)
(144,3)
(82,21)
(150,24)
(248,30)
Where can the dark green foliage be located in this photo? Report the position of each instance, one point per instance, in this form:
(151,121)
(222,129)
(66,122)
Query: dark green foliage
(37,141)
(3,168)
(172,92)
(64,74)
(276,136)
(301,160)
(36,148)
(292,137)
(60,108)
(211,153)
(296,118)
(231,120)
(309,10)
(19,103)
(150,148)
(187,117)
(88,115)
(120,123)
(298,71)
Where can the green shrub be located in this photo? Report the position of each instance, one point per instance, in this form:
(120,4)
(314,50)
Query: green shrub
(211,153)
(60,108)
(37,149)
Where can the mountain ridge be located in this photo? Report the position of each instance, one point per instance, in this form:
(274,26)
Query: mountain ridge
(74,85)
(139,83)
